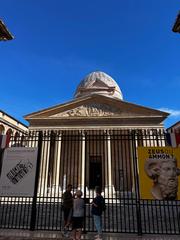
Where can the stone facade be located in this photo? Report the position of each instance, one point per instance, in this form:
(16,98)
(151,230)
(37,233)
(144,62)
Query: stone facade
(10,125)
(174,128)
(176,26)
(4,33)
(91,120)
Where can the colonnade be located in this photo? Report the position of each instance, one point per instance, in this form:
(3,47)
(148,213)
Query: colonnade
(66,159)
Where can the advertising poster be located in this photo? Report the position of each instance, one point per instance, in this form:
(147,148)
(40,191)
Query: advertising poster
(18,172)
(159,173)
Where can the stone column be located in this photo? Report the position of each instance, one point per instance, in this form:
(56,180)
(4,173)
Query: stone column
(57,161)
(44,164)
(82,180)
(109,188)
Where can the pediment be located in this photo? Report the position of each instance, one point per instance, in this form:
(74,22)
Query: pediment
(90,110)
(96,106)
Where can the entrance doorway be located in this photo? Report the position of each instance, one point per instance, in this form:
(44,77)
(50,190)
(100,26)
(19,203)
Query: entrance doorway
(95,172)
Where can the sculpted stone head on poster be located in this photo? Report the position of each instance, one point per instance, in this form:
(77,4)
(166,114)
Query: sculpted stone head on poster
(164,173)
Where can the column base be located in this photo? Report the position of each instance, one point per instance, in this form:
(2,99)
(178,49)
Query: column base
(109,191)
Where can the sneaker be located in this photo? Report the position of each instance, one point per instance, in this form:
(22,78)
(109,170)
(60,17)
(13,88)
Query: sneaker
(98,237)
(64,232)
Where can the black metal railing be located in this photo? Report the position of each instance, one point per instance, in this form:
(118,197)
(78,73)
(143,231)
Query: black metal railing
(86,159)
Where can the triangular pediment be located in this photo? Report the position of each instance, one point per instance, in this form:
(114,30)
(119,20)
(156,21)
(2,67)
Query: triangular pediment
(90,110)
(96,106)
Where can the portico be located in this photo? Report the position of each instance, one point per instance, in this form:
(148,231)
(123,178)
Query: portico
(83,146)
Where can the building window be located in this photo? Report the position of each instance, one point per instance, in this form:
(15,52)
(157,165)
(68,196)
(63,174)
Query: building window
(2,129)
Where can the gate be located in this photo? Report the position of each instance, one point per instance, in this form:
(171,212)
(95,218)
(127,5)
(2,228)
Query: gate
(87,159)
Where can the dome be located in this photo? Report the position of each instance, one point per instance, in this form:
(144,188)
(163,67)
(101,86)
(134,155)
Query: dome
(98,83)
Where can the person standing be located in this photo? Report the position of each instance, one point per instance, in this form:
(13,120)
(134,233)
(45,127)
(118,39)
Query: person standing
(67,204)
(98,204)
(78,216)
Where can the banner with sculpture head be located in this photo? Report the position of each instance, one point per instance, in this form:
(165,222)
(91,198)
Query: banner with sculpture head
(159,172)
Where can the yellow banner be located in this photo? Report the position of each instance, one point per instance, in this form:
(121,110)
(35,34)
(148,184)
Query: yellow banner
(159,172)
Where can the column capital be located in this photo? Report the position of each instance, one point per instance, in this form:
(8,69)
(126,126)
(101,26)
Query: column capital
(107,131)
(82,132)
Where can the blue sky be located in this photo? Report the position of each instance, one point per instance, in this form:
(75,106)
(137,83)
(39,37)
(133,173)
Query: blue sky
(58,42)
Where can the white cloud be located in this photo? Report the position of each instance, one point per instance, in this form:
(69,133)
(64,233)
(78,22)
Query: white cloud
(174,113)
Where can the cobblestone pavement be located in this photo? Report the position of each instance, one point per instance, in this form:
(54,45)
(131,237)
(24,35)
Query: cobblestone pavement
(45,235)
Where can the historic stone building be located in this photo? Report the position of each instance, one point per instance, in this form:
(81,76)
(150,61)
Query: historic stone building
(4,32)
(176,26)
(174,128)
(11,126)
(98,103)
(89,149)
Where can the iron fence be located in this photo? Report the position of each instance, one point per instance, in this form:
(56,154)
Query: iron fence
(87,159)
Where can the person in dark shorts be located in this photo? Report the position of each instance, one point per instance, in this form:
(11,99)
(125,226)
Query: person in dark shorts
(78,216)
(67,204)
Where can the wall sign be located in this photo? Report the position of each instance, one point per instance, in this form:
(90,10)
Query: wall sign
(18,172)
(159,172)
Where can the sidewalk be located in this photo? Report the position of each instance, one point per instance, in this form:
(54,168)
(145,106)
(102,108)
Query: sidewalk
(10,234)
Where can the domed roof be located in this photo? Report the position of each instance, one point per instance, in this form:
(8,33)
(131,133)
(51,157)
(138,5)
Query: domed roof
(98,83)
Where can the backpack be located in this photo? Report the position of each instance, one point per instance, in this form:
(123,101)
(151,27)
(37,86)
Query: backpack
(103,205)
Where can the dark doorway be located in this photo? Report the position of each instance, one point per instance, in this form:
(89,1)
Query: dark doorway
(95,172)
